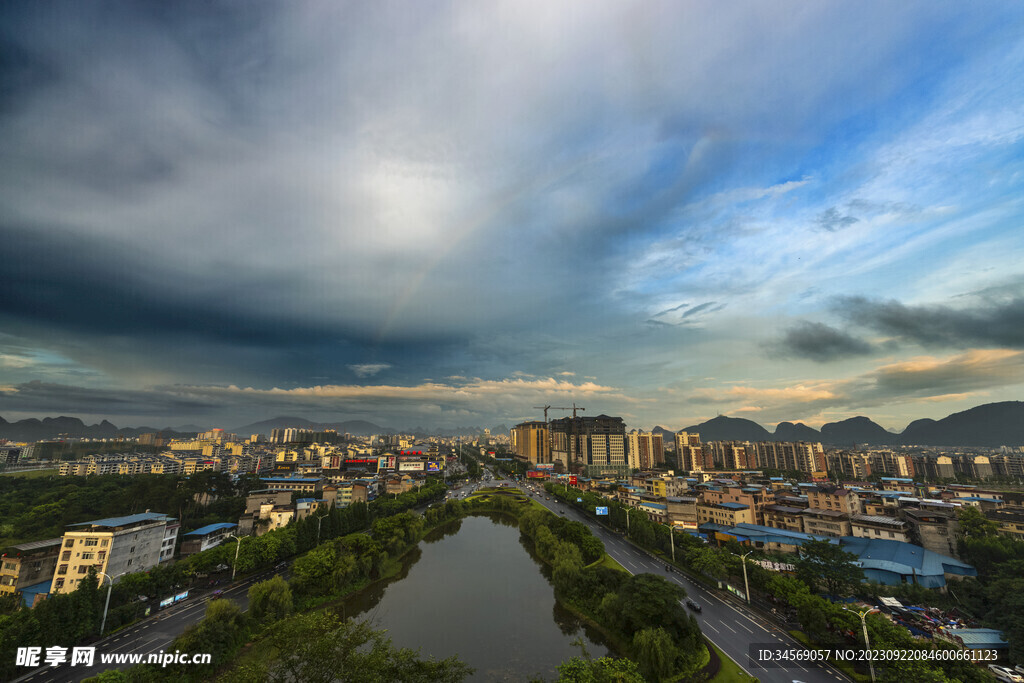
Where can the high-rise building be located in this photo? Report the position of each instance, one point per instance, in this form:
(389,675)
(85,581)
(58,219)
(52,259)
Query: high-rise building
(594,445)
(645,450)
(530,441)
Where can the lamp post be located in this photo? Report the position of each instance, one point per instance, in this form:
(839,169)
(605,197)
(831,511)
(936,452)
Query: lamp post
(864,625)
(106,606)
(319,520)
(238,546)
(672,541)
(746,584)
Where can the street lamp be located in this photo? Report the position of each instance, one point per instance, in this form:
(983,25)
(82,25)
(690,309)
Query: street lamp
(238,546)
(672,540)
(319,519)
(746,584)
(110,587)
(867,644)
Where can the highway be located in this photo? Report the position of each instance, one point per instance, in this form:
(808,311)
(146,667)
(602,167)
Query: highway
(724,620)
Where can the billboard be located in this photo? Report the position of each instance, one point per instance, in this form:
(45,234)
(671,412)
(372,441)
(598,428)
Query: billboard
(536,474)
(600,511)
(410,466)
(387,463)
(572,480)
(545,466)
(361,462)
(433,466)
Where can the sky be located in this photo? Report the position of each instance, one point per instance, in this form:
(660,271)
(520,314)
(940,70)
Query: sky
(449,213)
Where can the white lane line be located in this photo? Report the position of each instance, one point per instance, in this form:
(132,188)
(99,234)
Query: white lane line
(742,626)
(730,628)
(708,624)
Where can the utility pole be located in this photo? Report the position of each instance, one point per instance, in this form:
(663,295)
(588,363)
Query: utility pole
(746,584)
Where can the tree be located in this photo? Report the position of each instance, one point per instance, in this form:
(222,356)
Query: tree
(708,561)
(316,647)
(270,600)
(827,566)
(603,670)
(655,653)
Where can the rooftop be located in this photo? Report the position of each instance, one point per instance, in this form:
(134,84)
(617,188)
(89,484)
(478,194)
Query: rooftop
(112,522)
(211,528)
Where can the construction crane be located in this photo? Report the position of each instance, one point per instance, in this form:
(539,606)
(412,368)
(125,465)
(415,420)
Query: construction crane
(546,408)
(574,409)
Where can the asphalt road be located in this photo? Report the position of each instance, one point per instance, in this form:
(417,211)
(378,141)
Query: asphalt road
(151,635)
(724,620)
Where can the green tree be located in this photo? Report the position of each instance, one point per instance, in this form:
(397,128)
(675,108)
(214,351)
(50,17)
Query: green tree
(603,670)
(655,653)
(270,600)
(317,647)
(826,566)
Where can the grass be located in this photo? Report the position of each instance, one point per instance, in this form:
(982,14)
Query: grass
(730,672)
(608,562)
(31,474)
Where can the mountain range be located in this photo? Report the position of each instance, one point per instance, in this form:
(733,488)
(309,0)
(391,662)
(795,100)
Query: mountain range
(991,425)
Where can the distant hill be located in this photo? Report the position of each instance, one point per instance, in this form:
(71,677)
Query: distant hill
(857,430)
(724,428)
(667,435)
(787,431)
(33,429)
(992,424)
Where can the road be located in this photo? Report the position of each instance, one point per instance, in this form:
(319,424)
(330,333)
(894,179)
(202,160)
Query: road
(150,635)
(725,621)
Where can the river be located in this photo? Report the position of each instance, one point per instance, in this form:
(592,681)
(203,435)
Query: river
(474,589)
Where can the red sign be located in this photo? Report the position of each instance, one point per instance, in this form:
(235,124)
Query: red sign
(536,474)
(572,480)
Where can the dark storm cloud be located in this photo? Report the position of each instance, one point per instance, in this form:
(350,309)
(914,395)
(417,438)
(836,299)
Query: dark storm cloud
(60,399)
(818,342)
(102,287)
(985,322)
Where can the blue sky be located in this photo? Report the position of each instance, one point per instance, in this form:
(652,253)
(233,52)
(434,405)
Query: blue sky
(445,214)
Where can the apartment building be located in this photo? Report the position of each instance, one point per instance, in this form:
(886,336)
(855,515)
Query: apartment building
(28,564)
(114,546)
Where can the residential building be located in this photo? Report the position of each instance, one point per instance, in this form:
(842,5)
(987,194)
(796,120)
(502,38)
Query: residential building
(645,450)
(114,546)
(204,538)
(29,564)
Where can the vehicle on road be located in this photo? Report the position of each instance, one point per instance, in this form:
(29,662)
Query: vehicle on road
(692,605)
(1003,674)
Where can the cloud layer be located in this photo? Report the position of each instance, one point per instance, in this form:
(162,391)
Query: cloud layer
(312,194)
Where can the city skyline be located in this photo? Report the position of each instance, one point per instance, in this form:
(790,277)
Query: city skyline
(446,215)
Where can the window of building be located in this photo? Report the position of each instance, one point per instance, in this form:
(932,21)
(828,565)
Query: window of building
(66,556)
(60,583)
(87,556)
(63,569)
(68,543)
(82,569)
(104,543)
(130,562)
(10,566)
(89,542)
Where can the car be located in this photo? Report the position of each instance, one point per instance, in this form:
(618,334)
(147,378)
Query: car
(1003,674)
(692,605)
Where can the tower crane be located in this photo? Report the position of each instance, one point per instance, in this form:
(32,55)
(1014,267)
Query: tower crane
(546,408)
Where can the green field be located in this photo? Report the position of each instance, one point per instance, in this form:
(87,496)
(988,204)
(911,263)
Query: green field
(32,474)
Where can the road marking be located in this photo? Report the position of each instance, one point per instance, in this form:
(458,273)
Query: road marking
(730,628)
(708,624)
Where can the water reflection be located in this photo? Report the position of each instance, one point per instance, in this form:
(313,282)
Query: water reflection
(472,591)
